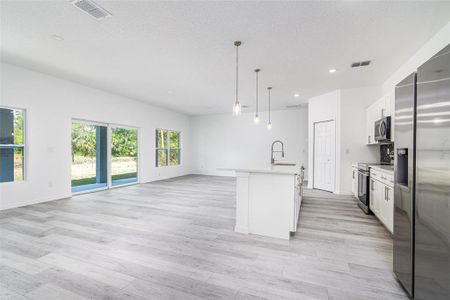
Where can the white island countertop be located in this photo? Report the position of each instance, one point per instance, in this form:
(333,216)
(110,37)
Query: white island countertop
(268,199)
(285,170)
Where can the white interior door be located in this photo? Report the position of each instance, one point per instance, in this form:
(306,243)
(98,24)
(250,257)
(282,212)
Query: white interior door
(324,155)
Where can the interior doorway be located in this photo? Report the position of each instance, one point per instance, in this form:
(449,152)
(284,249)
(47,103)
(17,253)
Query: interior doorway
(324,155)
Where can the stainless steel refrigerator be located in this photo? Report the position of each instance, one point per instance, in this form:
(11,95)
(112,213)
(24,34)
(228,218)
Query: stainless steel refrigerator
(422,180)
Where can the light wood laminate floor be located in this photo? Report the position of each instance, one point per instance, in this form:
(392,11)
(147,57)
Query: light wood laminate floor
(174,239)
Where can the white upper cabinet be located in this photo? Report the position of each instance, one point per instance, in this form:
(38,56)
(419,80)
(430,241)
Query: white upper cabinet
(383,107)
(374,113)
(390,111)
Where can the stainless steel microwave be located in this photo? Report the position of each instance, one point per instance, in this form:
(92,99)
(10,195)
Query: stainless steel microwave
(383,129)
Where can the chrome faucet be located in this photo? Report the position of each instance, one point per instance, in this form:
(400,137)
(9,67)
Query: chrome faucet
(272,159)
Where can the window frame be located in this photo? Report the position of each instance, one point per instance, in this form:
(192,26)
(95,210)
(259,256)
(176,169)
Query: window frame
(22,146)
(167,149)
(110,126)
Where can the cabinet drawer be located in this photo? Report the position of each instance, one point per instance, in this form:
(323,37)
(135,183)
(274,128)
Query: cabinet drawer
(388,179)
(385,178)
(374,173)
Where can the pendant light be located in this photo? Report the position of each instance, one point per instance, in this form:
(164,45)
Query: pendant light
(269,125)
(256,119)
(237,105)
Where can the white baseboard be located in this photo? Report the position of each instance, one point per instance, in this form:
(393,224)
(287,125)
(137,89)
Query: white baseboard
(214,173)
(241,229)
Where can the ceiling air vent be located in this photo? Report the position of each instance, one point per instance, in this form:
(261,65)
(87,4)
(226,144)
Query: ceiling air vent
(92,9)
(360,64)
(295,106)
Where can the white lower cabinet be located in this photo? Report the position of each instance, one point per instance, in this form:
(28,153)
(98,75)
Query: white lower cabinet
(298,196)
(382,197)
(390,208)
(373,195)
(355,181)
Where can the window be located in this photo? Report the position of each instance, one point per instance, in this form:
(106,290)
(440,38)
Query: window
(123,155)
(12,144)
(168,151)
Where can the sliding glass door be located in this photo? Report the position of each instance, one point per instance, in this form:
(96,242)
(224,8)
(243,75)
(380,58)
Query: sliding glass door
(103,156)
(123,155)
(89,156)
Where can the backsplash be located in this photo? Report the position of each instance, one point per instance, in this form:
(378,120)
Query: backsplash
(387,153)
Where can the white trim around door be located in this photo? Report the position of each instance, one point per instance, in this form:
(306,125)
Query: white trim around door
(324,155)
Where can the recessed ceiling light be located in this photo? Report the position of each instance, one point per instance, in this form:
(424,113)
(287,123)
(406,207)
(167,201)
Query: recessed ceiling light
(296,95)
(169,92)
(332,70)
(57,37)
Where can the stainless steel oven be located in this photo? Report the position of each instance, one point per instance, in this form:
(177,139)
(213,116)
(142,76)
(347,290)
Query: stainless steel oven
(383,130)
(363,188)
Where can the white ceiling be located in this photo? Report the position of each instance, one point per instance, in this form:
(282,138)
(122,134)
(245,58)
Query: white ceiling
(180,55)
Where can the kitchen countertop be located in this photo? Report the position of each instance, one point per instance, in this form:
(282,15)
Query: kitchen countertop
(285,170)
(385,168)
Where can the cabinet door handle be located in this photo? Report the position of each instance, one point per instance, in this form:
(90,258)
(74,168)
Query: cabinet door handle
(368,139)
(353,176)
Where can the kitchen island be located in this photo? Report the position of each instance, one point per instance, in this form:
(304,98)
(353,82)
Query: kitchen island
(268,200)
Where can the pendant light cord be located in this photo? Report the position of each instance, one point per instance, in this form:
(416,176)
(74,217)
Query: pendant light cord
(237,73)
(257,71)
(269,88)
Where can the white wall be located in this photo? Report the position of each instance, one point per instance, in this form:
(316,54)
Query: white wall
(348,109)
(227,141)
(353,146)
(50,104)
(433,46)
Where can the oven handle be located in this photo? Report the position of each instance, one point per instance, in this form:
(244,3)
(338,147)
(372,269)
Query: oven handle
(379,129)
